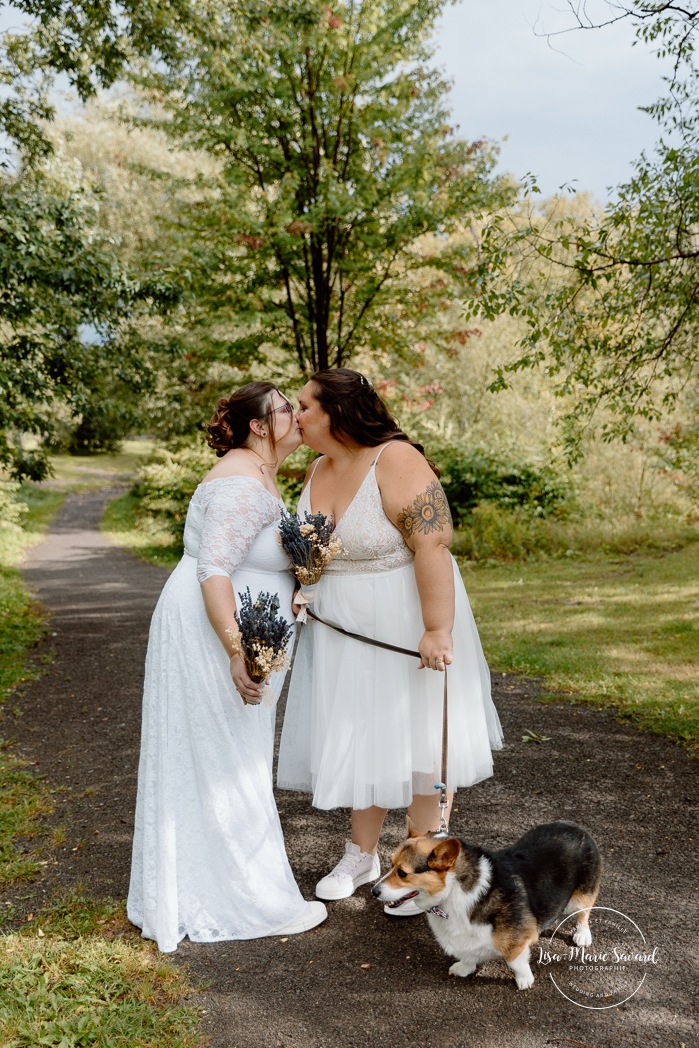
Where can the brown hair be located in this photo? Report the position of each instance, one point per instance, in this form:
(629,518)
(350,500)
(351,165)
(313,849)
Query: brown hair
(356,411)
(229,427)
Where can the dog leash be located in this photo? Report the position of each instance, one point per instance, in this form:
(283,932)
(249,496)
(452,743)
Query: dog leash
(443,830)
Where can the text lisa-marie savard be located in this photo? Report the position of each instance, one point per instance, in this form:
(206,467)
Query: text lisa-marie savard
(579,955)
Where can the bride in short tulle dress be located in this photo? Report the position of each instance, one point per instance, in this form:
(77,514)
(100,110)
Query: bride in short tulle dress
(363,725)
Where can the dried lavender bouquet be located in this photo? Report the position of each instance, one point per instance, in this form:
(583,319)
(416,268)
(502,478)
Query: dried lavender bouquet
(310,545)
(261,639)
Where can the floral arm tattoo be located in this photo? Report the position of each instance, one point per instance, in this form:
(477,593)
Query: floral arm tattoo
(429,512)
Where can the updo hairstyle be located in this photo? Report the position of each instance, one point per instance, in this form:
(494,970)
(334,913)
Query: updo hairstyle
(229,427)
(357,413)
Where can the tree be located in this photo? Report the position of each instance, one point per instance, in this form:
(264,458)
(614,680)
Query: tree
(91,42)
(63,301)
(619,325)
(337,159)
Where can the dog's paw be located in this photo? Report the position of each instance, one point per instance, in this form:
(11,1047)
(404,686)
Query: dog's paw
(582,936)
(525,980)
(462,968)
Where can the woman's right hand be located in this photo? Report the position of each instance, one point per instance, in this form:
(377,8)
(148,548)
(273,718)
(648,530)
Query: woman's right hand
(249,691)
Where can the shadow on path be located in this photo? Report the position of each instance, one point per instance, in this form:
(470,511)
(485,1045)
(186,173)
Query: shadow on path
(362,978)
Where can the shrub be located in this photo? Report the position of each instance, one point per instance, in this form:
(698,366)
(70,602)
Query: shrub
(678,457)
(12,509)
(473,477)
(292,473)
(102,428)
(12,515)
(166,483)
(493,532)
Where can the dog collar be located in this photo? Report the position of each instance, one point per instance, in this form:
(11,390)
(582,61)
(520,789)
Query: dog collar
(439,911)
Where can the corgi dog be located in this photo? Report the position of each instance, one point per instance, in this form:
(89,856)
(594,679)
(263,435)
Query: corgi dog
(483,905)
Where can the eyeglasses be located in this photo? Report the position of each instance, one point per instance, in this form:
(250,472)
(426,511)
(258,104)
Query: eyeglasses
(287,408)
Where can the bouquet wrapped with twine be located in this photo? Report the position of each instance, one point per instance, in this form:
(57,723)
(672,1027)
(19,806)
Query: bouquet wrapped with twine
(261,638)
(310,545)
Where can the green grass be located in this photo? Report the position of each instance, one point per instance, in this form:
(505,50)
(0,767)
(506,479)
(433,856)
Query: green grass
(615,630)
(87,471)
(21,622)
(76,974)
(91,990)
(24,797)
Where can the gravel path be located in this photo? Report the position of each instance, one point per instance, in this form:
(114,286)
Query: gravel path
(361,978)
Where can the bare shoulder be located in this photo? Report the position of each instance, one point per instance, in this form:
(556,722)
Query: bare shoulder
(399,453)
(242,472)
(400,459)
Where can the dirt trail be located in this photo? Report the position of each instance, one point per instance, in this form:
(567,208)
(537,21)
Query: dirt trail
(361,978)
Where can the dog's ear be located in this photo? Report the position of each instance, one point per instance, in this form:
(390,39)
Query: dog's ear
(444,854)
(412,829)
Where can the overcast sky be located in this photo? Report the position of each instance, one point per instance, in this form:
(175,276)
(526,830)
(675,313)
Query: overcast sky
(569,114)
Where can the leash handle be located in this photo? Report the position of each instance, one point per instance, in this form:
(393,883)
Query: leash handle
(441,786)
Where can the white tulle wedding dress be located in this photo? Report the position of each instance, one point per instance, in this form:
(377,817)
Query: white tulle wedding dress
(208,854)
(363,726)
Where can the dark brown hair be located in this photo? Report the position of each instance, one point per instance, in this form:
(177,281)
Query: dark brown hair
(229,427)
(356,411)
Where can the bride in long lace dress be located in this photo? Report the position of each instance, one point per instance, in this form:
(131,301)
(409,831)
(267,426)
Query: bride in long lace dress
(208,854)
(363,726)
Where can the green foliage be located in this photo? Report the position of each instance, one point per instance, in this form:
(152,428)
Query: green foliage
(62,302)
(12,508)
(495,533)
(678,454)
(23,514)
(335,157)
(90,42)
(145,535)
(292,474)
(166,483)
(472,477)
(618,325)
(103,426)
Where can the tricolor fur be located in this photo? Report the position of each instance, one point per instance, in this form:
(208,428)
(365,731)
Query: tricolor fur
(483,905)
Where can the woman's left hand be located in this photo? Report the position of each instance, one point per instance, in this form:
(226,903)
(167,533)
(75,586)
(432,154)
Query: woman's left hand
(436,650)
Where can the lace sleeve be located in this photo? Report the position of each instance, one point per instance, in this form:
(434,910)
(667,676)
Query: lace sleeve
(234,515)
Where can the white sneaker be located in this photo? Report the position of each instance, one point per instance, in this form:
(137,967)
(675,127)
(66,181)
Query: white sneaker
(354,868)
(315,914)
(406,909)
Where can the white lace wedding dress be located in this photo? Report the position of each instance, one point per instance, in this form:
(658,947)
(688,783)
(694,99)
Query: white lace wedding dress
(208,853)
(363,726)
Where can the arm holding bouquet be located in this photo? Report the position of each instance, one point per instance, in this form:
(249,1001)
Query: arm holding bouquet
(237,514)
(219,601)
(260,639)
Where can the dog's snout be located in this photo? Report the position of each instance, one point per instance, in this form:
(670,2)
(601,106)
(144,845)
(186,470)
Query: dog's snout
(376,890)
